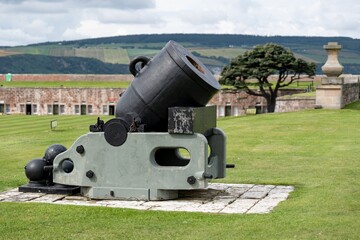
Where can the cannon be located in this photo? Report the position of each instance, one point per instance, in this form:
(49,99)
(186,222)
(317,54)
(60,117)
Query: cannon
(163,138)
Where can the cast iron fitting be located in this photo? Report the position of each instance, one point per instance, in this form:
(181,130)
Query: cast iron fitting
(48,168)
(191,180)
(90,174)
(230,165)
(98,127)
(137,64)
(207,176)
(80,149)
(116,129)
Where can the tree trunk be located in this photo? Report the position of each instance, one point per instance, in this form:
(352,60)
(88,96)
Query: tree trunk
(271,107)
(271,103)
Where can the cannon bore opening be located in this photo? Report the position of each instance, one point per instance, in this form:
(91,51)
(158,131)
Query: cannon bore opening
(195,64)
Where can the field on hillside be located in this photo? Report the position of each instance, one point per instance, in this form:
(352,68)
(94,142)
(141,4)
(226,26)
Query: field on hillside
(229,53)
(107,54)
(320,56)
(122,53)
(317,151)
(214,50)
(4,53)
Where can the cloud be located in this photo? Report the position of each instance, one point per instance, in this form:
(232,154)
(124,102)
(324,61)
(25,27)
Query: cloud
(33,7)
(119,4)
(31,21)
(70,19)
(116,4)
(13,37)
(119,16)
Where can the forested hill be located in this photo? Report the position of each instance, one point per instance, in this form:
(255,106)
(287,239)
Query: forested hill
(220,40)
(39,64)
(214,50)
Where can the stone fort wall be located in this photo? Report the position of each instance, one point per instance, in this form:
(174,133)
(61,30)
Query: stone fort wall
(98,101)
(102,101)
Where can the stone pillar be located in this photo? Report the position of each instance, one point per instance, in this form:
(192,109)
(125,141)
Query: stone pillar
(332,68)
(329,93)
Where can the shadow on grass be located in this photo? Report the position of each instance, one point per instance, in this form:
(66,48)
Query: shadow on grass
(59,130)
(353,106)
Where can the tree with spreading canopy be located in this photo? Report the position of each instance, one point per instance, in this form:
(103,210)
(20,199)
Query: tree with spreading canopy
(251,71)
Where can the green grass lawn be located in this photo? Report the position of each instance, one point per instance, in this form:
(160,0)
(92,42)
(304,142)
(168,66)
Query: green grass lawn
(102,84)
(295,85)
(317,151)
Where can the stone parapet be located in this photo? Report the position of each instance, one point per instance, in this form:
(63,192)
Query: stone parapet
(329,96)
(350,92)
(291,104)
(334,96)
(332,80)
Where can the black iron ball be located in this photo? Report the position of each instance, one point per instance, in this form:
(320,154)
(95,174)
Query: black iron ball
(34,170)
(53,151)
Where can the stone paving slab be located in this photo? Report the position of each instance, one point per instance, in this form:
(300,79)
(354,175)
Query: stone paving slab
(240,206)
(218,198)
(22,197)
(49,198)
(138,205)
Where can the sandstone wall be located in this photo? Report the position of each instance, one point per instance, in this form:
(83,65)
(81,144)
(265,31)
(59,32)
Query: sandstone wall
(350,92)
(41,101)
(98,101)
(291,104)
(235,103)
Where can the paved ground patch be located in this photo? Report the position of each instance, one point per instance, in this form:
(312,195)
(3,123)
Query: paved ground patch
(218,198)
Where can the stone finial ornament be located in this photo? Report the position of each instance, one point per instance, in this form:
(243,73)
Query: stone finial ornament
(332,67)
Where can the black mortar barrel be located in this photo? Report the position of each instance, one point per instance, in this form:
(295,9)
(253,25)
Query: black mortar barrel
(173,78)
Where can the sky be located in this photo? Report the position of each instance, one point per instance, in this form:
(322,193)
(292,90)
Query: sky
(24,22)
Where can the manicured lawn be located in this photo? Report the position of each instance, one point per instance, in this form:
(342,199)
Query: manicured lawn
(96,84)
(317,151)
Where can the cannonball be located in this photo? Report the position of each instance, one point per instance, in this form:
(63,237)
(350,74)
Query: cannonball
(34,170)
(53,151)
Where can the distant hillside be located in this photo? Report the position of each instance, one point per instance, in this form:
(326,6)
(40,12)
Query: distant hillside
(219,40)
(40,64)
(214,50)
